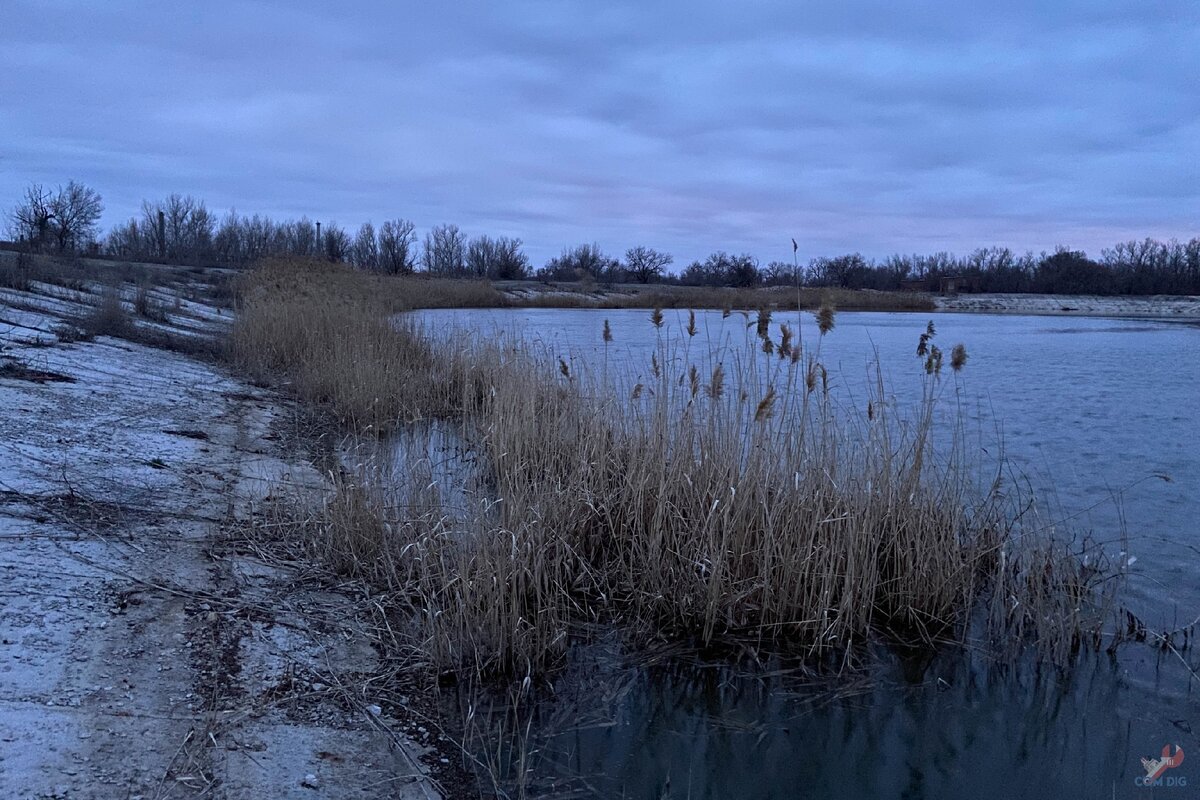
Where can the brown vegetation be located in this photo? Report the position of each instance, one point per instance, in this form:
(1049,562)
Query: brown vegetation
(727,499)
(562,295)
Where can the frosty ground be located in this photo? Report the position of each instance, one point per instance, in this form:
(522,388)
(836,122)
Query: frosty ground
(144,650)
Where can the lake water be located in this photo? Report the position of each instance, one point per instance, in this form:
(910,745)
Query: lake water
(1101,417)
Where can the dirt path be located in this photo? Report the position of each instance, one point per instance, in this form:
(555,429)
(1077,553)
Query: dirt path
(141,655)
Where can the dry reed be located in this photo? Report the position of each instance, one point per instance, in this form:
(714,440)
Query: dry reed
(751,510)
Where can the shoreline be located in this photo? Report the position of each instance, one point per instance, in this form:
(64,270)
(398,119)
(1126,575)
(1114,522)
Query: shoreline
(1169,308)
(149,648)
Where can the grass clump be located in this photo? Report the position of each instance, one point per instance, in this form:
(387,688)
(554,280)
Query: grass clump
(726,498)
(108,317)
(16,272)
(146,306)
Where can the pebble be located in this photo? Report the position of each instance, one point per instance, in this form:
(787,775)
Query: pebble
(310,781)
(374,710)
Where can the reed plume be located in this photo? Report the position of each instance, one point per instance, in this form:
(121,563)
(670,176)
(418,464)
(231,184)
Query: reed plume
(765,406)
(824,316)
(763,323)
(958,357)
(785,340)
(716,383)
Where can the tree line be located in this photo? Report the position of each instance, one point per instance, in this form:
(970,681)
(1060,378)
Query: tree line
(181,230)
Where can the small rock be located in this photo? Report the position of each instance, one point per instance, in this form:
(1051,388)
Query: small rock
(374,710)
(310,782)
(319,687)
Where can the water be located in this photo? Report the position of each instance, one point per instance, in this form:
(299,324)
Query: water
(1098,414)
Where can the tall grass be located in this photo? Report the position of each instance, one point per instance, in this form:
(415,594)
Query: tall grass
(724,498)
(575,295)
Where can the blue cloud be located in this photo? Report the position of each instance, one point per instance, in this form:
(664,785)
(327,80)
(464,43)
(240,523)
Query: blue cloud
(870,126)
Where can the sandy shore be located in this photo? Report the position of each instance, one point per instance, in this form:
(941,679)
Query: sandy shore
(1149,307)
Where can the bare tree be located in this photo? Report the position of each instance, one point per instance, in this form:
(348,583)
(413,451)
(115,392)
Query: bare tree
(398,246)
(364,253)
(582,262)
(32,221)
(510,262)
(299,238)
(125,241)
(63,221)
(445,251)
(335,242)
(77,209)
(178,229)
(480,255)
(498,259)
(646,264)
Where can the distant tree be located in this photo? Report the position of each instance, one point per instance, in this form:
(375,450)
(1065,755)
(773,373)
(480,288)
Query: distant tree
(779,273)
(298,238)
(398,246)
(999,270)
(896,269)
(77,209)
(703,273)
(125,241)
(849,271)
(1071,272)
(62,221)
(31,221)
(510,263)
(480,255)
(229,241)
(178,229)
(582,262)
(646,264)
(743,271)
(723,269)
(498,259)
(335,242)
(1191,266)
(445,251)
(364,253)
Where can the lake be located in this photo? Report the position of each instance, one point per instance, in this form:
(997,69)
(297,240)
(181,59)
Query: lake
(1098,415)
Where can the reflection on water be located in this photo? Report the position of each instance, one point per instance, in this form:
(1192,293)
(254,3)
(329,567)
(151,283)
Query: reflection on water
(1103,422)
(964,728)
(714,735)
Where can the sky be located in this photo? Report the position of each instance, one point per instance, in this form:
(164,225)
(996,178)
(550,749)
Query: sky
(851,126)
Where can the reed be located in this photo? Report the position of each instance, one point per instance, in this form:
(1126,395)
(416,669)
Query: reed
(754,510)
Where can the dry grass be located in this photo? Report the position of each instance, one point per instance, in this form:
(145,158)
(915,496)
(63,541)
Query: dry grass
(725,499)
(146,306)
(109,317)
(534,295)
(21,270)
(15,271)
(328,330)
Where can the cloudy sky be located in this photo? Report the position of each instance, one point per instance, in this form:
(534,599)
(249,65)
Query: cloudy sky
(851,125)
